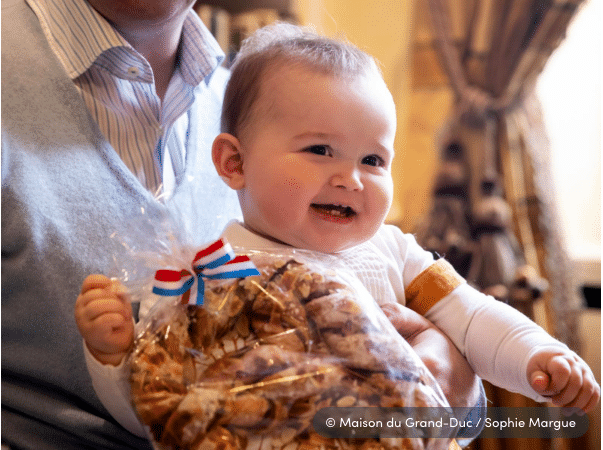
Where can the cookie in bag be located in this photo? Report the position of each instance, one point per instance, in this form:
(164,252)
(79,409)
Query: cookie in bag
(252,366)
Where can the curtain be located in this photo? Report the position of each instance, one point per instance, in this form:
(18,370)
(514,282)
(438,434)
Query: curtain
(492,214)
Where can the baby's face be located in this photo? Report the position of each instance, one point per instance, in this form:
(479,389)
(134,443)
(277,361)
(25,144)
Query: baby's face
(317,159)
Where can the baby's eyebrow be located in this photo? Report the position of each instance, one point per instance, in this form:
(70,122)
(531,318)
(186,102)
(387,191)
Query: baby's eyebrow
(312,134)
(387,150)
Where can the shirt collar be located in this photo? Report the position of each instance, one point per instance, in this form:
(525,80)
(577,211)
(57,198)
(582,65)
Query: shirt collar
(200,53)
(78,35)
(240,237)
(76,32)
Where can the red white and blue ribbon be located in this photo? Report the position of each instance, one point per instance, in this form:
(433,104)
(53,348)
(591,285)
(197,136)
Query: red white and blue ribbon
(216,261)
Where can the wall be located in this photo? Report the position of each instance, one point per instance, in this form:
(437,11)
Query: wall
(570,92)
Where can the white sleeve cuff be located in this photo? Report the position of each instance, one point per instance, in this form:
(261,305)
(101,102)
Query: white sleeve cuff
(496,339)
(112,387)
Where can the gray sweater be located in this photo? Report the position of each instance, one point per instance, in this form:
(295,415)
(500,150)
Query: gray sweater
(64,192)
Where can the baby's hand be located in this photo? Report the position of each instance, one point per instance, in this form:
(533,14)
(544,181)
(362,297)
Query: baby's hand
(565,378)
(104,317)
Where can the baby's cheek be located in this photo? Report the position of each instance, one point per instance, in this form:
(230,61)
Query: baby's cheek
(377,203)
(291,186)
(285,198)
(385,196)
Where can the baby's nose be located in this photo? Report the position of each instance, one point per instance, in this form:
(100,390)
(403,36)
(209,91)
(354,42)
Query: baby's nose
(347,178)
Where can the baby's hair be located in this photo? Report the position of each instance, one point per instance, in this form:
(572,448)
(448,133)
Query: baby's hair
(283,44)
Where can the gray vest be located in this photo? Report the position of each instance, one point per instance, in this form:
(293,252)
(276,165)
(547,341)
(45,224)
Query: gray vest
(64,193)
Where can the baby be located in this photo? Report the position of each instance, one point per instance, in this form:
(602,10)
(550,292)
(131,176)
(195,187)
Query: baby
(308,142)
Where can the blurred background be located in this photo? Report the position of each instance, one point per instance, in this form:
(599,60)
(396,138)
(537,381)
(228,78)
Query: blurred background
(498,164)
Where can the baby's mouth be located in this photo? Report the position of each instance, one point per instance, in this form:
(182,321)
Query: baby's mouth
(334,210)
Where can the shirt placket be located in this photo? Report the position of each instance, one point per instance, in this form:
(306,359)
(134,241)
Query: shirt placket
(175,121)
(146,101)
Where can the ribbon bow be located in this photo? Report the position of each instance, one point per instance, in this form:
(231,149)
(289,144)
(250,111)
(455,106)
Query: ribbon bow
(216,261)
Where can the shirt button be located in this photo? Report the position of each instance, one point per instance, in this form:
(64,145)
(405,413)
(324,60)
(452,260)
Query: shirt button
(133,71)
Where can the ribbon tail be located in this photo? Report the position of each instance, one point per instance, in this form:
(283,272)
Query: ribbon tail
(198,294)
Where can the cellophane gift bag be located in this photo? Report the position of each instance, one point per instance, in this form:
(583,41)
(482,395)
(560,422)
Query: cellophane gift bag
(243,353)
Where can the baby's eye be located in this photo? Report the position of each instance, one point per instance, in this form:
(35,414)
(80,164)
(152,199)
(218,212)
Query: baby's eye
(324,150)
(373,160)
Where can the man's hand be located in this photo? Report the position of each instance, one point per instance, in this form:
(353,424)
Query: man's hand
(450,369)
(104,317)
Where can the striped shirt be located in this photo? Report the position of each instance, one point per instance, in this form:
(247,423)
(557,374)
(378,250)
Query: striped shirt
(117,85)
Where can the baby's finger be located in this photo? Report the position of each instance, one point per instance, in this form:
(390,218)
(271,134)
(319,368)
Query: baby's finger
(589,393)
(594,399)
(92,295)
(569,391)
(118,289)
(540,381)
(559,370)
(102,306)
(111,322)
(95,281)
(581,400)
(86,308)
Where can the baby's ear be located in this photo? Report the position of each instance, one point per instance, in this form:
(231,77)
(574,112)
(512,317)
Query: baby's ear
(228,160)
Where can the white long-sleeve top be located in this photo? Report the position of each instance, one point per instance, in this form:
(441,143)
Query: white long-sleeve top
(496,339)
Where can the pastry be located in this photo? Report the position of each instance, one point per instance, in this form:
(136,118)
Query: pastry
(253,365)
